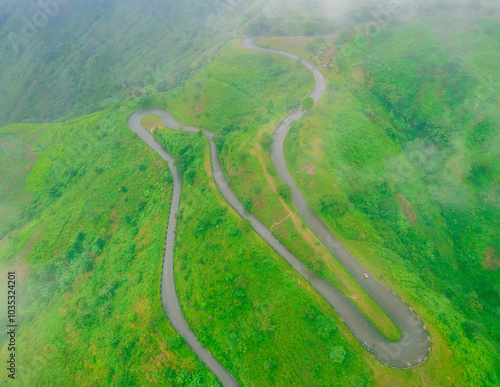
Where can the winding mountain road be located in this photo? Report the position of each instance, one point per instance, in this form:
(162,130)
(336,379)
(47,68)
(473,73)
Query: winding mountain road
(410,351)
(414,346)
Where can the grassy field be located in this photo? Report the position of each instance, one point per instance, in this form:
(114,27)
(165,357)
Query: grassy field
(406,139)
(85,237)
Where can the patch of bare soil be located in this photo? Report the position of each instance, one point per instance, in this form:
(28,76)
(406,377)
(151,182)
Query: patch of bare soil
(21,269)
(310,170)
(492,261)
(407,208)
(116,223)
(152,123)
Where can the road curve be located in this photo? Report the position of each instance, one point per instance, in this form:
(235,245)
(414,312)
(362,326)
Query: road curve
(169,298)
(414,346)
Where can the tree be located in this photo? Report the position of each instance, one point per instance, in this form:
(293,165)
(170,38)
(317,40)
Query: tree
(337,354)
(333,203)
(145,101)
(284,191)
(266,141)
(270,106)
(472,329)
(326,326)
(186,157)
(247,203)
(218,140)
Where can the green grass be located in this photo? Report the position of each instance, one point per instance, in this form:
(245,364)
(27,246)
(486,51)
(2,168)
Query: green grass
(87,249)
(91,247)
(409,150)
(261,196)
(246,119)
(239,91)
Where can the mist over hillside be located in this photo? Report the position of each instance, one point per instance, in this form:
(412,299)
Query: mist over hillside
(349,148)
(63,58)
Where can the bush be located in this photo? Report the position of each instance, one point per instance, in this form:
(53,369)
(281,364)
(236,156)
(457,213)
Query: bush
(285,191)
(307,104)
(337,354)
(266,141)
(218,140)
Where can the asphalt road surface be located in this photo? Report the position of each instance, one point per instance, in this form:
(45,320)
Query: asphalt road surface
(410,351)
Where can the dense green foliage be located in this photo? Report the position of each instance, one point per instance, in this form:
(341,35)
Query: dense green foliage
(86,241)
(410,152)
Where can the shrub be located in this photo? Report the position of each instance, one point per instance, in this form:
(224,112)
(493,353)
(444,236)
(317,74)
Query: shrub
(337,354)
(307,104)
(285,191)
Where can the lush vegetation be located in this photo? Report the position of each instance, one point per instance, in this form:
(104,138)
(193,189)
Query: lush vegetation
(85,236)
(85,56)
(400,158)
(241,299)
(240,91)
(61,59)
(87,264)
(254,89)
(407,142)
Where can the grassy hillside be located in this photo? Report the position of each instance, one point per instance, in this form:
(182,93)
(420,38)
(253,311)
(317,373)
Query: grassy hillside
(85,56)
(243,139)
(60,59)
(400,158)
(407,142)
(254,313)
(85,237)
